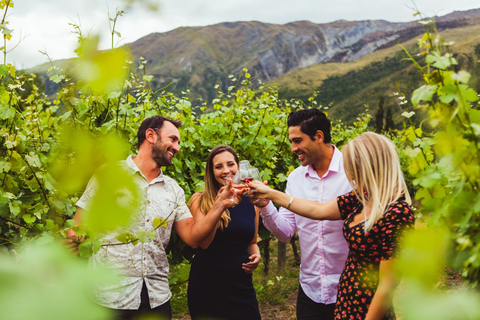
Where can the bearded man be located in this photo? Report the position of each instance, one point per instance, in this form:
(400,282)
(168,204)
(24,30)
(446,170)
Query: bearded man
(143,287)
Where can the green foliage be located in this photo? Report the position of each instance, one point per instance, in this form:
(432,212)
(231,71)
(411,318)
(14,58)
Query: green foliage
(421,265)
(50,146)
(445,163)
(276,287)
(45,282)
(178,279)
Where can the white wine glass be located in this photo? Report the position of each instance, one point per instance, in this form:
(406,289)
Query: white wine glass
(255,174)
(227,179)
(242,176)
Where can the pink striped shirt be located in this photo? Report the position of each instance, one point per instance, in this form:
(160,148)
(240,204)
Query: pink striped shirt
(322,245)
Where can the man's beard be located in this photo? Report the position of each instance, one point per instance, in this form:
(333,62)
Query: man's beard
(160,156)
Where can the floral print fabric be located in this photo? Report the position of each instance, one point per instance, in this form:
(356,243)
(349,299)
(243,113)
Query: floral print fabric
(359,279)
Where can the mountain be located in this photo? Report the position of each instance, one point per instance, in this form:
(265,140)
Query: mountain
(197,57)
(381,75)
(297,56)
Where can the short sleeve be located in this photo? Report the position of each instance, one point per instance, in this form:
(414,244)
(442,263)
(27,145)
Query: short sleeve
(88,194)
(347,204)
(181,210)
(399,219)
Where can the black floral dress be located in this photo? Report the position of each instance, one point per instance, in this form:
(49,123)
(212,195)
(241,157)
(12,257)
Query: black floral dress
(359,279)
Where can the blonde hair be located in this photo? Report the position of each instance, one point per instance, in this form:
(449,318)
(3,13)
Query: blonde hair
(206,198)
(373,168)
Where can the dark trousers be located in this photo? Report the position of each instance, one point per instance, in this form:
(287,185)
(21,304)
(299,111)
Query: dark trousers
(163,312)
(307,309)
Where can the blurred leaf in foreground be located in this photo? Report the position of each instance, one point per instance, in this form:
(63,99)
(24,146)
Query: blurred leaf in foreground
(421,263)
(46,282)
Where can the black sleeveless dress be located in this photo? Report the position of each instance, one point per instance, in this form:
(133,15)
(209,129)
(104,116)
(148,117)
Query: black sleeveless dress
(218,287)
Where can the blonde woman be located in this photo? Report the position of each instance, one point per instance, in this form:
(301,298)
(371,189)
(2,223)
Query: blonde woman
(220,283)
(376,215)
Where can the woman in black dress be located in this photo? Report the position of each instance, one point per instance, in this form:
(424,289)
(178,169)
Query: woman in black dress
(220,283)
(377,214)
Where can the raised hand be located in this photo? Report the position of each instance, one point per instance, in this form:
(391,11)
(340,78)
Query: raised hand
(228,195)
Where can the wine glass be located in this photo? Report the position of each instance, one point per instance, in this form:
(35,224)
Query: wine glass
(255,174)
(227,179)
(241,179)
(242,176)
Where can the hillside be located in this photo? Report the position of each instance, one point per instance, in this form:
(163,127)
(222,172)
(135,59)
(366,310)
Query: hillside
(346,61)
(351,86)
(197,57)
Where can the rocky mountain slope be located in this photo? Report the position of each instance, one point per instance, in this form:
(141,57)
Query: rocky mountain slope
(198,57)
(297,57)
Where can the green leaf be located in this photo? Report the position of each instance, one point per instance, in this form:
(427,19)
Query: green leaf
(57,78)
(152,234)
(46,239)
(3,70)
(125,237)
(447,98)
(147,78)
(69,223)
(190,164)
(408,115)
(97,245)
(461,76)
(441,62)
(50,224)
(159,222)
(85,248)
(142,236)
(7,112)
(33,160)
(14,207)
(5,166)
(28,218)
(471,95)
(424,93)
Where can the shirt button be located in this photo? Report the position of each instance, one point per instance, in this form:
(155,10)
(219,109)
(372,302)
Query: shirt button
(148,201)
(148,220)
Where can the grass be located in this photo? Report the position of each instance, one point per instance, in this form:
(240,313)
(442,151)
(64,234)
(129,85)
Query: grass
(276,287)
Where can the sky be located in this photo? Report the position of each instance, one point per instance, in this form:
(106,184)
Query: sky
(45,25)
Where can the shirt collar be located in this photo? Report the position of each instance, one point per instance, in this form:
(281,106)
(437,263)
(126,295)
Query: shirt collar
(335,164)
(132,167)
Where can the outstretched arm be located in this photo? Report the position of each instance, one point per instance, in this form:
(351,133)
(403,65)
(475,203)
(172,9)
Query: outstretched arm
(305,208)
(196,232)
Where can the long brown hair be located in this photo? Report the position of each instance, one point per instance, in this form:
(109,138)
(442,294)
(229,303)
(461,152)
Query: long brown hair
(207,197)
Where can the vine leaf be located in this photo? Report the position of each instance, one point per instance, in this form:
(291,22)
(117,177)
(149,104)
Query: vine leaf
(424,93)
(159,222)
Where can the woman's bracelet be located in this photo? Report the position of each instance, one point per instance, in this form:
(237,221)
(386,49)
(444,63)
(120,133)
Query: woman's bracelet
(289,203)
